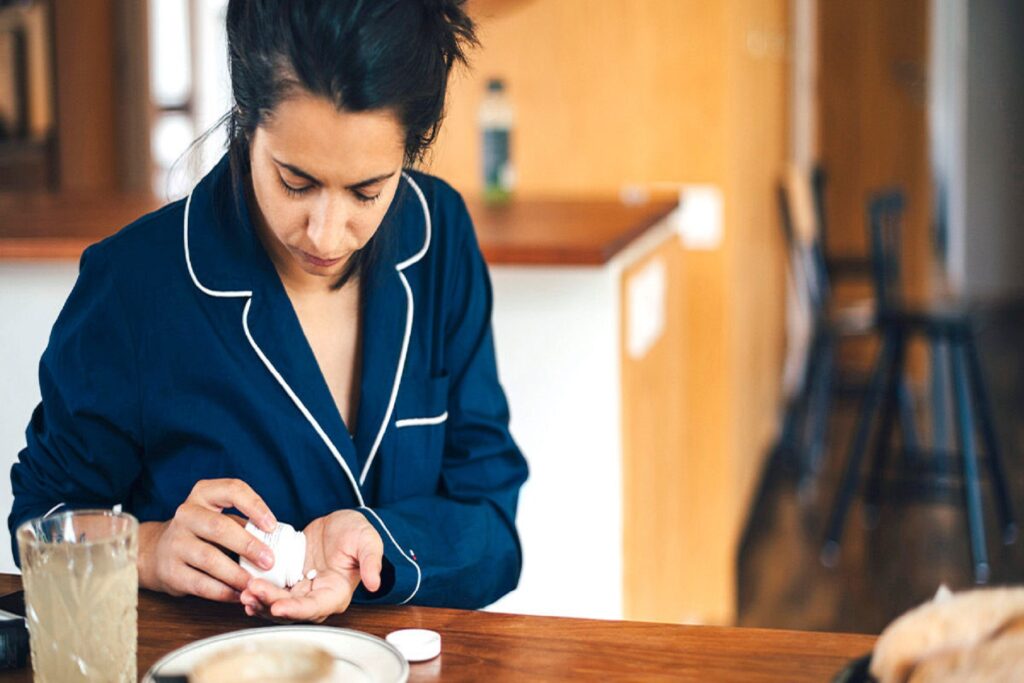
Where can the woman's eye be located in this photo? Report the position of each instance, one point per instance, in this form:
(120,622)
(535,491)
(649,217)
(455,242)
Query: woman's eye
(367,199)
(294,191)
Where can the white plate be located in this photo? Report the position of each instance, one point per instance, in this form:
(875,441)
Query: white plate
(359,657)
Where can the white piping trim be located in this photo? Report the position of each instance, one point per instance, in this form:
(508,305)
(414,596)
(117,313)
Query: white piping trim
(426,215)
(266,361)
(419,573)
(300,405)
(422,421)
(192,272)
(409,315)
(56,507)
(298,402)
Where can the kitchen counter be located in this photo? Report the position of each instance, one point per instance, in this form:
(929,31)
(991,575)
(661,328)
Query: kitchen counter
(543,232)
(552,232)
(61,226)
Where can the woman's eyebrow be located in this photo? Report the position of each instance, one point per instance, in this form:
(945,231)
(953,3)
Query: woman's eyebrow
(297,171)
(355,186)
(369,181)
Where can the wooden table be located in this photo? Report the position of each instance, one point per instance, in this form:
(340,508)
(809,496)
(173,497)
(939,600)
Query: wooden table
(483,646)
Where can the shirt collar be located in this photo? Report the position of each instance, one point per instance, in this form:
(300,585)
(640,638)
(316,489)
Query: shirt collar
(224,249)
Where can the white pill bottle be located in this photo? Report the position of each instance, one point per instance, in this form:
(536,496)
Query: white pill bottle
(289,548)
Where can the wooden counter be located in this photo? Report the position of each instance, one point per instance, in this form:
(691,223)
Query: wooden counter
(482,646)
(527,232)
(61,226)
(561,232)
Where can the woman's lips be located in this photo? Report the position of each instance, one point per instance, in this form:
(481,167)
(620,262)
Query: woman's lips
(318,262)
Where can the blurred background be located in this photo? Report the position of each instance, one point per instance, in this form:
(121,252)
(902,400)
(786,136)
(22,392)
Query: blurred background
(758,271)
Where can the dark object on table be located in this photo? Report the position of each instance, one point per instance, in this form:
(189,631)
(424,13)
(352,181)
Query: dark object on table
(857,671)
(13,632)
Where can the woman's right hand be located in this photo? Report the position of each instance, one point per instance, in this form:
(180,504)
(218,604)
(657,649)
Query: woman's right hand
(184,555)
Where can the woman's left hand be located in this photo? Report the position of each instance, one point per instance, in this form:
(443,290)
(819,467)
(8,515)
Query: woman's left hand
(343,548)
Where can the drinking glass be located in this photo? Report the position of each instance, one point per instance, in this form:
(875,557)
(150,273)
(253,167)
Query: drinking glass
(81,595)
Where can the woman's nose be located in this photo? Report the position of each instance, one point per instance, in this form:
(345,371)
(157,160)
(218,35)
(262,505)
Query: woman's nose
(326,227)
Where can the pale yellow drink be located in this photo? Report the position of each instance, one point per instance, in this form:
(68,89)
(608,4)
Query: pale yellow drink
(81,596)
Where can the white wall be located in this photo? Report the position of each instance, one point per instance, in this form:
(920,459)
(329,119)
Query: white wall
(993,233)
(31,296)
(557,337)
(947,128)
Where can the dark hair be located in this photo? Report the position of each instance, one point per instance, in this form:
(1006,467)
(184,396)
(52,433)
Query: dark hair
(362,55)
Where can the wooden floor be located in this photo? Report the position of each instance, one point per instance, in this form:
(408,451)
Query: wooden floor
(917,545)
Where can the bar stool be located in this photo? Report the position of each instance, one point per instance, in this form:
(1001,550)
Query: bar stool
(805,422)
(950,326)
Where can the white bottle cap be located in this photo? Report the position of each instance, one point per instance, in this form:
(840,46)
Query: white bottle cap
(416,644)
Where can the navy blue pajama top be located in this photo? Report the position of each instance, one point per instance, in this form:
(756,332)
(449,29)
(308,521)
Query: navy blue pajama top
(178,357)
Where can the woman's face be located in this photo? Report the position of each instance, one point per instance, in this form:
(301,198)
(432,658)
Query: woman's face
(322,180)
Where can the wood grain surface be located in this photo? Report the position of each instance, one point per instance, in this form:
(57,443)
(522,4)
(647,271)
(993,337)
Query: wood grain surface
(61,225)
(561,231)
(524,232)
(484,646)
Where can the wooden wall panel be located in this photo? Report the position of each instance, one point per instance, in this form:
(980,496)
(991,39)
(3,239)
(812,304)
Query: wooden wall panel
(610,92)
(677,478)
(695,448)
(757,119)
(873,129)
(85,67)
(607,92)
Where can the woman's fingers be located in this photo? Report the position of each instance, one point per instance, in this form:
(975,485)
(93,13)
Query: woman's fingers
(370,554)
(189,553)
(315,600)
(227,493)
(266,592)
(316,606)
(252,603)
(350,541)
(211,561)
(192,582)
(301,589)
(219,528)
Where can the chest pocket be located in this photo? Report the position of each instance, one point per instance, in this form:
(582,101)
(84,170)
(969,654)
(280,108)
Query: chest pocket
(421,416)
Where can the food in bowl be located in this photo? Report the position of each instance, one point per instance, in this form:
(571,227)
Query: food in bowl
(279,663)
(975,635)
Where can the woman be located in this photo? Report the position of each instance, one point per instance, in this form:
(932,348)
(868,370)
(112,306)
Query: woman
(305,338)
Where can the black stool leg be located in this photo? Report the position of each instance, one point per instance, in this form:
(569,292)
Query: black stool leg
(851,476)
(940,435)
(786,438)
(794,428)
(805,421)
(908,427)
(883,437)
(972,487)
(988,433)
(821,402)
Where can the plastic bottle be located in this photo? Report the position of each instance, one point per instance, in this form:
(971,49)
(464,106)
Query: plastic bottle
(496,120)
(289,548)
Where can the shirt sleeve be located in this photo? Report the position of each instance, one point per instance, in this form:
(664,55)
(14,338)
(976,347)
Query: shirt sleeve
(460,548)
(83,441)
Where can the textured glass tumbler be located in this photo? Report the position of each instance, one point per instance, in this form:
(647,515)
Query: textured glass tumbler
(81,595)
